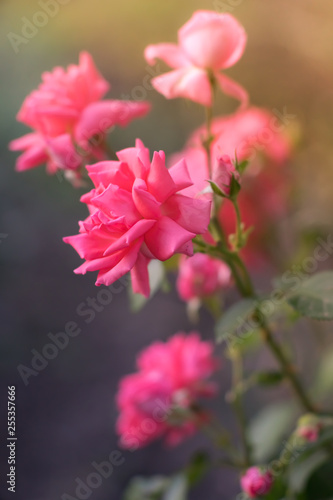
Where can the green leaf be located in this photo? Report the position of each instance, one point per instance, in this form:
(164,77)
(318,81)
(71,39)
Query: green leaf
(217,190)
(269,378)
(156,276)
(267,430)
(324,380)
(197,468)
(320,484)
(314,297)
(241,166)
(301,470)
(178,488)
(157,488)
(141,488)
(278,490)
(234,325)
(234,187)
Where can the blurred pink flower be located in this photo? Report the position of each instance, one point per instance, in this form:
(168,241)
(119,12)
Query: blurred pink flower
(256,482)
(247,134)
(69,120)
(201,276)
(251,135)
(57,152)
(256,136)
(138,213)
(156,401)
(207,43)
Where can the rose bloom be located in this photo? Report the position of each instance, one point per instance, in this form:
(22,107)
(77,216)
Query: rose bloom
(207,43)
(138,213)
(201,276)
(69,119)
(256,483)
(156,400)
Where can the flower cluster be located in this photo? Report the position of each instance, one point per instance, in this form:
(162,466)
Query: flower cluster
(69,120)
(138,213)
(161,398)
(229,178)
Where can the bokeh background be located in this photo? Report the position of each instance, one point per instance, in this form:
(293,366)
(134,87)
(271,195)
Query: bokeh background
(66,414)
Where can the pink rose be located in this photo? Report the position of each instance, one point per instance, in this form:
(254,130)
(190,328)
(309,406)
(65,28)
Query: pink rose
(156,400)
(201,276)
(138,213)
(69,120)
(256,482)
(207,43)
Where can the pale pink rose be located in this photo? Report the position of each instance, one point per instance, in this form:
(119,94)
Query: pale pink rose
(256,482)
(223,173)
(201,276)
(156,401)
(207,43)
(138,213)
(67,104)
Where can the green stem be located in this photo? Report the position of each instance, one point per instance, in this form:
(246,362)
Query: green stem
(238,224)
(288,370)
(246,289)
(111,153)
(209,138)
(237,378)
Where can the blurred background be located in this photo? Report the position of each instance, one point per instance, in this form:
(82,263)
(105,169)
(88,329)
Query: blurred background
(66,414)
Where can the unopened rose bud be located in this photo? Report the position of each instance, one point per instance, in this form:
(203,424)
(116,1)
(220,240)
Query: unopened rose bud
(201,276)
(223,173)
(256,482)
(309,427)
